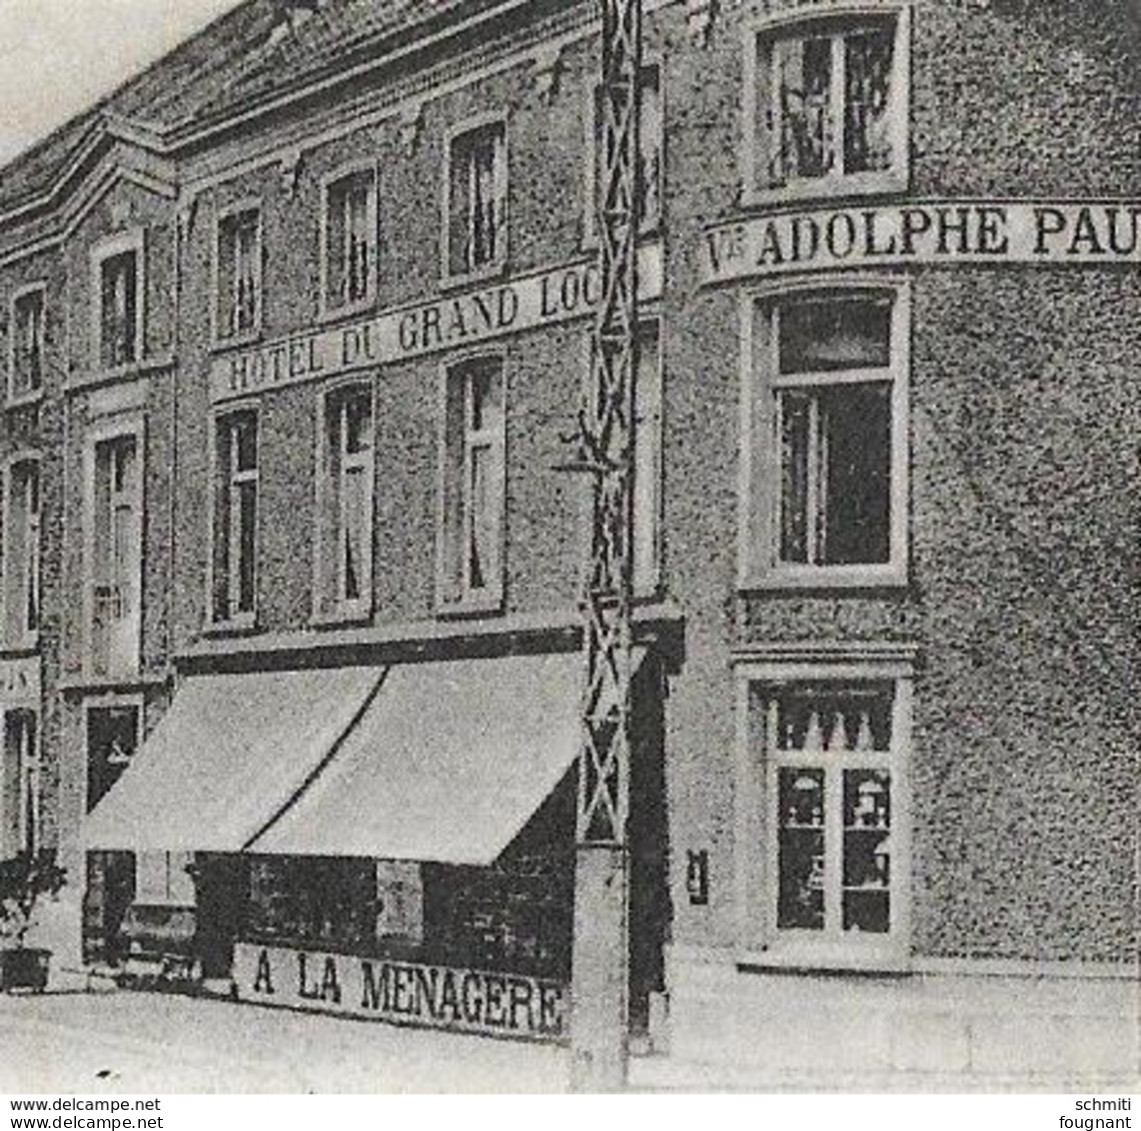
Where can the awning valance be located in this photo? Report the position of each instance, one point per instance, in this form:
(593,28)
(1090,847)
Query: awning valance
(231,752)
(448,763)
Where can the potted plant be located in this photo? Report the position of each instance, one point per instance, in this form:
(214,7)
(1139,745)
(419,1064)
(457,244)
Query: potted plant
(23,879)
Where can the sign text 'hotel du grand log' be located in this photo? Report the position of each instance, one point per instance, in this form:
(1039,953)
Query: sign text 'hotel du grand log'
(506,306)
(406,993)
(946,233)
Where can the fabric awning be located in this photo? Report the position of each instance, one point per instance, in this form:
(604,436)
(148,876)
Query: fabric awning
(447,764)
(230,753)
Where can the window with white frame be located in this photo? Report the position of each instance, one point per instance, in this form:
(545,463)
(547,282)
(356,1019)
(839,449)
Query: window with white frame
(648,169)
(235,517)
(26,349)
(345,502)
(112,740)
(825,818)
(116,551)
(829,109)
(239,274)
(119,303)
(22,553)
(350,240)
(471,538)
(828,451)
(647,482)
(477,199)
(21,784)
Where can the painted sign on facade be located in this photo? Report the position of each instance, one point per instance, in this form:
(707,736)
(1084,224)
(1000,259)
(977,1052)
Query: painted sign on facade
(407,993)
(545,298)
(941,234)
(20,680)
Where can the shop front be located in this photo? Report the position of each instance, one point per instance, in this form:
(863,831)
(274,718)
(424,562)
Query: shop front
(393,842)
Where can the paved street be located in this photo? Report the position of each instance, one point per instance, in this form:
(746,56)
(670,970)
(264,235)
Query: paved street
(146,1042)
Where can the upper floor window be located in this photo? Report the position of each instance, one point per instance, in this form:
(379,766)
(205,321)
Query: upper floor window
(239,275)
(234,565)
(471,538)
(350,240)
(345,503)
(119,303)
(827,455)
(477,199)
(829,110)
(26,350)
(648,169)
(22,553)
(115,547)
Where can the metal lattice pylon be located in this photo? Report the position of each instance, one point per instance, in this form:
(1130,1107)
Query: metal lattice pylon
(609,432)
(600,974)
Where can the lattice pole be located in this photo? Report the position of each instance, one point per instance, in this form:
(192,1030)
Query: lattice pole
(600,983)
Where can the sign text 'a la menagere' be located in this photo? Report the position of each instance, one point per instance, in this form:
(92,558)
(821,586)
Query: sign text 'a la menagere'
(409,993)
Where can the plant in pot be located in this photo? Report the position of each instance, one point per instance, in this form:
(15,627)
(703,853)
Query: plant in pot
(24,879)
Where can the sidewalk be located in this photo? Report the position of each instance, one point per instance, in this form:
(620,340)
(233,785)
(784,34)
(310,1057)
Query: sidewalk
(140,1042)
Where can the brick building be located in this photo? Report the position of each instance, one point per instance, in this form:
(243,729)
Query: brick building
(296,325)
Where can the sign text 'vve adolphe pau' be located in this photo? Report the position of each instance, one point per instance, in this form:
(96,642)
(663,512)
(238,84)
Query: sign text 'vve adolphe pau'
(948,233)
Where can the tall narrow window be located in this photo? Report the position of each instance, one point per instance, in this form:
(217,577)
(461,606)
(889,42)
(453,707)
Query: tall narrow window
(21,784)
(27,347)
(350,240)
(472,538)
(236,517)
(112,739)
(116,549)
(477,199)
(22,553)
(648,170)
(835,755)
(239,273)
(831,432)
(831,103)
(345,536)
(119,309)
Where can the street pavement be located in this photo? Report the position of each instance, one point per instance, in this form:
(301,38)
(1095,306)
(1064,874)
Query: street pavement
(140,1042)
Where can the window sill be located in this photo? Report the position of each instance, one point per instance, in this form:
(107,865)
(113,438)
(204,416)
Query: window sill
(129,372)
(356,616)
(24,399)
(647,233)
(786,578)
(88,682)
(828,188)
(486,273)
(471,606)
(236,341)
(859,956)
(242,625)
(331,315)
(21,646)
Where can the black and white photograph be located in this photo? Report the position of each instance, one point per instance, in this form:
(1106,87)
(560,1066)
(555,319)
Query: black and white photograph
(571,546)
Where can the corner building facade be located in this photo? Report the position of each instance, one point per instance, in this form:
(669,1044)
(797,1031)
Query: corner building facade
(296,325)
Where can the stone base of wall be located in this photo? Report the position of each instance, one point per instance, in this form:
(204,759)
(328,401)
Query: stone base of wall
(964,1024)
